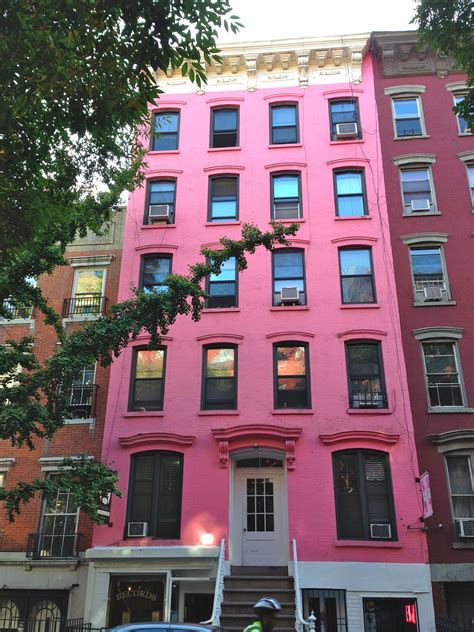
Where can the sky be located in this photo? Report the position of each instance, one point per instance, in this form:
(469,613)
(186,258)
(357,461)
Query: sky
(277,19)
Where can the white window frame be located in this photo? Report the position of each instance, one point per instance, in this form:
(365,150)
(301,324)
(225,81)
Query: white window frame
(83,420)
(74,295)
(470,165)
(418,167)
(78,270)
(49,512)
(470,456)
(412,97)
(462,96)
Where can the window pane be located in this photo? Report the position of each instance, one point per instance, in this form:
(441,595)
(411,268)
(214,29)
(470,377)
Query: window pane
(460,475)
(155,270)
(291,361)
(220,362)
(288,265)
(470,173)
(89,281)
(227,272)
(406,108)
(363,360)
(357,290)
(350,523)
(348,183)
(162,192)
(219,390)
(343,112)
(286,187)
(355,261)
(284,135)
(284,115)
(149,364)
(298,283)
(461,122)
(351,206)
(148,392)
(225,120)
(166,122)
(426,262)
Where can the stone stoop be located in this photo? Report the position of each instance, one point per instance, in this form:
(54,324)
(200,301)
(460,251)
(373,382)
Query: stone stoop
(245,585)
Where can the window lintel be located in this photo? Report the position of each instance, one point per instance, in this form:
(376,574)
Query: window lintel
(158,438)
(456,86)
(6,463)
(223,169)
(405,90)
(359,435)
(362,334)
(424,238)
(286,336)
(97,261)
(54,463)
(466,156)
(216,339)
(433,333)
(414,159)
(453,440)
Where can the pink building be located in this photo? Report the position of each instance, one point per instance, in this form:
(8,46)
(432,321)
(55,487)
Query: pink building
(283,415)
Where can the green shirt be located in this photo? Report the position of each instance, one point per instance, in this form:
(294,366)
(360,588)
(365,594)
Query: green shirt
(256,626)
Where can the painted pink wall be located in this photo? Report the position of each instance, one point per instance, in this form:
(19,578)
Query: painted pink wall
(310,486)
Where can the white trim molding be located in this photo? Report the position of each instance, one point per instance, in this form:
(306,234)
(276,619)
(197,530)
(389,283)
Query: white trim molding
(462,439)
(430,333)
(424,238)
(466,156)
(410,159)
(6,463)
(456,86)
(53,463)
(99,260)
(404,89)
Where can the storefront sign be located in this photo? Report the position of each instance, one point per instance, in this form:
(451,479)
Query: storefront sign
(426,494)
(142,594)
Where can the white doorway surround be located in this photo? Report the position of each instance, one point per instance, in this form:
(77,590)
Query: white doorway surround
(259,510)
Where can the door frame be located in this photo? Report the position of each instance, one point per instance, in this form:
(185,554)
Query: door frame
(235,527)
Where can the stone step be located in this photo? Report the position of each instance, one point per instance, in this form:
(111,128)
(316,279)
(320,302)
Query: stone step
(259,570)
(251,595)
(261,582)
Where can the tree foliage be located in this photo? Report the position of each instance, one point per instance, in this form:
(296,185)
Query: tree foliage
(448,26)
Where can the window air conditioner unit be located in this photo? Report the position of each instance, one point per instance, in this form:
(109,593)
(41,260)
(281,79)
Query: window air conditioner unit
(380,531)
(346,130)
(433,293)
(158,213)
(137,529)
(465,527)
(420,205)
(290,295)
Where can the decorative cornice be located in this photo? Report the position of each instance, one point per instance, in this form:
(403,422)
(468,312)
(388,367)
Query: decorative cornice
(283,96)
(333,94)
(451,436)
(350,334)
(286,436)
(231,338)
(466,156)
(289,335)
(230,99)
(156,248)
(361,239)
(424,238)
(348,161)
(97,260)
(409,159)
(154,438)
(359,435)
(406,89)
(428,333)
(286,165)
(292,242)
(160,173)
(456,86)
(164,103)
(6,463)
(54,463)
(146,336)
(223,168)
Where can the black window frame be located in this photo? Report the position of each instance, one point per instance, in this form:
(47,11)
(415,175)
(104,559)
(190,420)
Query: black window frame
(332,125)
(157,255)
(364,508)
(342,171)
(153,132)
(155,504)
(279,251)
(291,343)
(345,276)
(131,397)
(276,106)
(204,403)
(274,176)
(381,375)
(212,179)
(219,108)
(148,194)
(236,294)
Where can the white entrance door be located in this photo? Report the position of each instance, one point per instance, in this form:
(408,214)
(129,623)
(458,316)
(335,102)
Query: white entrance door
(260,517)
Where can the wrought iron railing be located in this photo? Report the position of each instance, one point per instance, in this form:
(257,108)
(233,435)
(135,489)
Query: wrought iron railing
(82,400)
(84,305)
(16,312)
(52,545)
(430,290)
(367,398)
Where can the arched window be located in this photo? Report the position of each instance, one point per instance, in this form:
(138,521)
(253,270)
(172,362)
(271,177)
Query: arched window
(45,616)
(9,615)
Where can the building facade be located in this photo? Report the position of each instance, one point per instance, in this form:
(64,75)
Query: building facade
(428,161)
(42,566)
(282,416)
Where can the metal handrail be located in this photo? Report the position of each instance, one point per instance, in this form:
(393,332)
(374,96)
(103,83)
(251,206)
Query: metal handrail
(300,620)
(219,589)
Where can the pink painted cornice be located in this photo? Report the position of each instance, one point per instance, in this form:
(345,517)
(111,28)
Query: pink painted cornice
(354,239)
(287,335)
(157,248)
(228,99)
(348,161)
(286,165)
(153,173)
(283,96)
(210,338)
(223,168)
(163,104)
(251,431)
(331,94)
(153,438)
(146,337)
(359,435)
(359,333)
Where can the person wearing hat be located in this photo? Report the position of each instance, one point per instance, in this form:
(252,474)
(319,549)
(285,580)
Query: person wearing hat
(267,610)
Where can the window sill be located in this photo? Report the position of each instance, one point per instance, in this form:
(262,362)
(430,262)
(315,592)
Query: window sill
(343,219)
(421,214)
(81,319)
(411,137)
(361,306)
(352,141)
(220,310)
(144,413)
(296,220)
(229,223)
(154,226)
(5,322)
(463,545)
(449,410)
(285,145)
(154,152)
(290,308)
(369,411)
(217,413)
(80,421)
(214,149)
(292,411)
(435,304)
(368,543)
(463,135)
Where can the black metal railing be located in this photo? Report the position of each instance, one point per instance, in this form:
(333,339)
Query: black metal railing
(52,545)
(82,400)
(15,312)
(366,398)
(85,305)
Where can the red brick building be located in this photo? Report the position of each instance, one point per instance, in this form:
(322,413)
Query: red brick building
(428,165)
(43,574)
